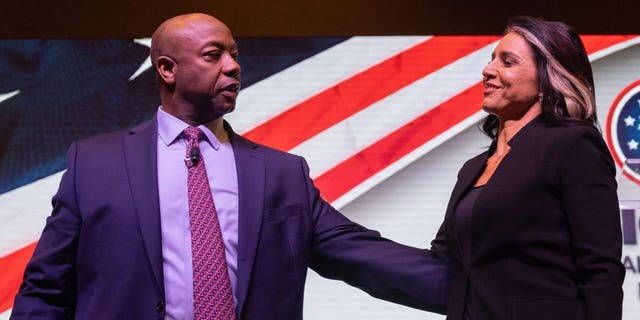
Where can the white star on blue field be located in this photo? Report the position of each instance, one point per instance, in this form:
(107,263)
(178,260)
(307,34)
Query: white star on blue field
(628,128)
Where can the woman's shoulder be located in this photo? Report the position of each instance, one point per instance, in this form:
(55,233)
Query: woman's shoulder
(562,134)
(573,141)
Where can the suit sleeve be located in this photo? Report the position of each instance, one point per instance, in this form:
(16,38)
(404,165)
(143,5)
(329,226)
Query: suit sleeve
(346,251)
(439,245)
(48,290)
(588,190)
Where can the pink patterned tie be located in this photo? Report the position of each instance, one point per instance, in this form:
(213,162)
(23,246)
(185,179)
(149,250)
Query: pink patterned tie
(212,296)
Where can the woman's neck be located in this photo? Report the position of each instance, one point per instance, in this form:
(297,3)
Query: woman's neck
(510,127)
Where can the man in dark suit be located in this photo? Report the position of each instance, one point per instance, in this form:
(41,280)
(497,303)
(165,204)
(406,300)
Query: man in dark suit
(120,241)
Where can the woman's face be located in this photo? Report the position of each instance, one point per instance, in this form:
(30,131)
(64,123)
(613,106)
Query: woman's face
(510,79)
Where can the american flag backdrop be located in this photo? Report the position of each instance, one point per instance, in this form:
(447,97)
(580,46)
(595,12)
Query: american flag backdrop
(384,122)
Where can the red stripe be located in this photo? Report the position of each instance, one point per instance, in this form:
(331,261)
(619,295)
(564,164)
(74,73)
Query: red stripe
(364,164)
(594,43)
(12,267)
(341,101)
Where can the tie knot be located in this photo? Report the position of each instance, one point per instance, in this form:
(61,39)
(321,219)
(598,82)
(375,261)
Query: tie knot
(193,134)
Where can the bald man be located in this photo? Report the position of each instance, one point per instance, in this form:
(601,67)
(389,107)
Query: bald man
(125,238)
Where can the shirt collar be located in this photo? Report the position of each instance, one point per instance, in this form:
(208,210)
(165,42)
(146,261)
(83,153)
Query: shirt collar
(170,128)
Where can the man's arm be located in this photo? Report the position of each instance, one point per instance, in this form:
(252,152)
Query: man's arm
(387,270)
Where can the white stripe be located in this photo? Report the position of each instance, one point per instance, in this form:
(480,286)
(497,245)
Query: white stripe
(334,145)
(615,48)
(24,211)
(281,91)
(5,315)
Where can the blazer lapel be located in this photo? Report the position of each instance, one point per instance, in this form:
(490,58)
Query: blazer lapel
(251,181)
(140,149)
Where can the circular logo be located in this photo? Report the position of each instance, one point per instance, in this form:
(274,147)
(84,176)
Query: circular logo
(623,131)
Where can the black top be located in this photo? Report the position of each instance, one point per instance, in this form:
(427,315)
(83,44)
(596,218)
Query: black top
(463,216)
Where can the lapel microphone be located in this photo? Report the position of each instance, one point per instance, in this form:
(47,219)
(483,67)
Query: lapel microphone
(194,156)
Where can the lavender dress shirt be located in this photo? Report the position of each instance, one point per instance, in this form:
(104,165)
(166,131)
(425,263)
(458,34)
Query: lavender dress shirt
(174,211)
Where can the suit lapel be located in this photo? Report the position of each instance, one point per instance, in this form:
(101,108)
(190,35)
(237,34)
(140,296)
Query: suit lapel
(251,181)
(140,149)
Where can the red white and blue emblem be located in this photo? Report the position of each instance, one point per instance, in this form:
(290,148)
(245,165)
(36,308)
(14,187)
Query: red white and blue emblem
(623,131)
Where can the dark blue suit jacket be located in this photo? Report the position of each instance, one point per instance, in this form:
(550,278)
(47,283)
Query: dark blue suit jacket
(100,256)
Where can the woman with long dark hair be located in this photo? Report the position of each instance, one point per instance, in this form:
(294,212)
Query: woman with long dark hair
(532,230)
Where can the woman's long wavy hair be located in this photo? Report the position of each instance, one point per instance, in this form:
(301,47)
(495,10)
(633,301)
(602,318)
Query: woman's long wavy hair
(564,72)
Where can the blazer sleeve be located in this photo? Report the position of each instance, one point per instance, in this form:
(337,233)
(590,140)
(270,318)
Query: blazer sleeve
(48,288)
(439,245)
(346,251)
(588,192)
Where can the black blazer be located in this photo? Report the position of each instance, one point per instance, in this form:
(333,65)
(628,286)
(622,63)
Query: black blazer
(546,238)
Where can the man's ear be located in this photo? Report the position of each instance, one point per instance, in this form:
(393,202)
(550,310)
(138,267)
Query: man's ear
(166,68)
